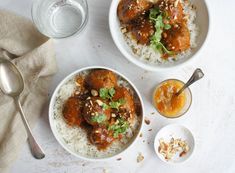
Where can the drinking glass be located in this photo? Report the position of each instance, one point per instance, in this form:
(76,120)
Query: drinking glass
(60,18)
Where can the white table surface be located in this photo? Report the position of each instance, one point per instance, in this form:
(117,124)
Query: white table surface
(211,117)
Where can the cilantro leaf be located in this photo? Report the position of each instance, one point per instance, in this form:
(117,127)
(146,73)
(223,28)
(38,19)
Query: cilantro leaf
(111,92)
(114,105)
(117,104)
(105,106)
(154,12)
(167,26)
(99,118)
(122,101)
(106,93)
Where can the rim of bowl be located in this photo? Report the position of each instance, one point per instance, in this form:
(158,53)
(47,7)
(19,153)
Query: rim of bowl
(167,126)
(52,101)
(144,65)
(190,93)
(78,31)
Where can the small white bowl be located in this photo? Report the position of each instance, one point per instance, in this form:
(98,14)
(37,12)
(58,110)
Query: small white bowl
(202,21)
(53,124)
(176,131)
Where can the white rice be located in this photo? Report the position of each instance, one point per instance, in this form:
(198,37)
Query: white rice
(75,138)
(148,55)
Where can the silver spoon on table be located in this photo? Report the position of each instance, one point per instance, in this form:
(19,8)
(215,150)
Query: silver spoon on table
(197,74)
(12,84)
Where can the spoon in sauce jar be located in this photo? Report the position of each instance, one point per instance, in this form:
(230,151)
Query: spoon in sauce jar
(12,84)
(197,74)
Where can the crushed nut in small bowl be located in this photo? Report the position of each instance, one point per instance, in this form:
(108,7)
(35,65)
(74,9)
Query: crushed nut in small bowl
(173,147)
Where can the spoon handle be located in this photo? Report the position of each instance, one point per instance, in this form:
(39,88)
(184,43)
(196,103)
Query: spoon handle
(35,148)
(197,74)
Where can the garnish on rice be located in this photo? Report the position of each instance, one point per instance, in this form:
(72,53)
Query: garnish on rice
(157,17)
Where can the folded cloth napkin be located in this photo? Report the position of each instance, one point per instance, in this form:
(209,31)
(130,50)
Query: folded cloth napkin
(34,56)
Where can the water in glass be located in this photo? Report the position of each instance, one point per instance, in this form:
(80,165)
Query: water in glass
(59,18)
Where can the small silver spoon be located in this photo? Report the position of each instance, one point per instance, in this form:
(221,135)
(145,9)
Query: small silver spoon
(197,74)
(12,84)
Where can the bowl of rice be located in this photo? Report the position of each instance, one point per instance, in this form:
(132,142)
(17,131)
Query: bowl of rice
(75,139)
(149,52)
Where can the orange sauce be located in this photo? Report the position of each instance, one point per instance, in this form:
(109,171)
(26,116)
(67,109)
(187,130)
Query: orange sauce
(165,100)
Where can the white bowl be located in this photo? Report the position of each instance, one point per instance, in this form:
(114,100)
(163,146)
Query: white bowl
(52,122)
(176,131)
(202,21)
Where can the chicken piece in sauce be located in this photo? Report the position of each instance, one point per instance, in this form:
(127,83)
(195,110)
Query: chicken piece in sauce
(94,112)
(129,10)
(142,30)
(177,38)
(101,137)
(101,79)
(174,12)
(72,111)
(127,110)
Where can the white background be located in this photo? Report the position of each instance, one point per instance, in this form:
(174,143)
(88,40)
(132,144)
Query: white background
(211,117)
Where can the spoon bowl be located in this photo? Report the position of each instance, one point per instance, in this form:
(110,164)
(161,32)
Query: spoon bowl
(11,81)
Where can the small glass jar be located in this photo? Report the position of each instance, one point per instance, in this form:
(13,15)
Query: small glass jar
(167,103)
(60,18)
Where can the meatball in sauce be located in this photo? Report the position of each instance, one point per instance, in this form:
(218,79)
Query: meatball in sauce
(101,79)
(94,112)
(126,110)
(101,137)
(72,111)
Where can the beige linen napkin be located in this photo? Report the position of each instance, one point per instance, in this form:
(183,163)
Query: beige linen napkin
(34,55)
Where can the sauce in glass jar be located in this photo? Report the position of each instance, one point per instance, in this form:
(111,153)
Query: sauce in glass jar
(165,100)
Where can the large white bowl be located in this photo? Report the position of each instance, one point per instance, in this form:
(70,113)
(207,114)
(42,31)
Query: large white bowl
(52,122)
(202,21)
